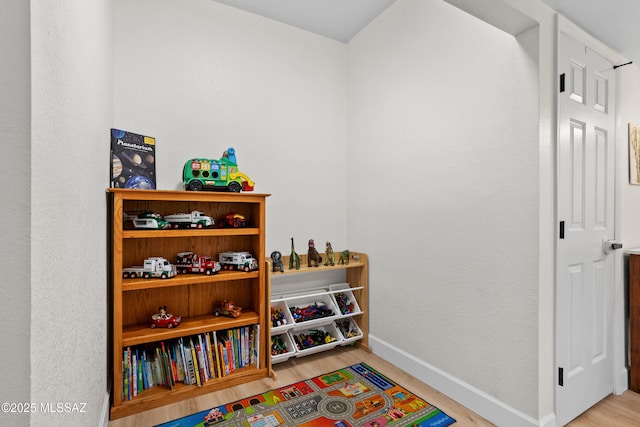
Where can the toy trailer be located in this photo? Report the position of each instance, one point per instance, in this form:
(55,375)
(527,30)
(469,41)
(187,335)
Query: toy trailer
(238,261)
(216,175)
(188,262)
(153,267)
(195,219)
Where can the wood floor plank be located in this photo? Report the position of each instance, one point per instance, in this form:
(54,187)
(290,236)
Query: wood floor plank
(618,411)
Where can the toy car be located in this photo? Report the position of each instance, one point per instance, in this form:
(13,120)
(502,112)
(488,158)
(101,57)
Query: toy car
(148,220)
(164,319)
(227,308)
(232,219)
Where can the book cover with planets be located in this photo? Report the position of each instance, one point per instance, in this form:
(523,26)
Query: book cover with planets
(133,160)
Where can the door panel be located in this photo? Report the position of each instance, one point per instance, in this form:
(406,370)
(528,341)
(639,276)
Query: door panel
(585,273)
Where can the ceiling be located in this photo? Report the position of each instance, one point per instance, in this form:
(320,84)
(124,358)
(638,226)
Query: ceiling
(336,19)
(613,22)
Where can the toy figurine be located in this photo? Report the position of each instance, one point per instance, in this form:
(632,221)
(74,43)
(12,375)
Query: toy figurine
(344,257)
(313,255)
(276,257)
(294,259)
(329,256)
(164,320)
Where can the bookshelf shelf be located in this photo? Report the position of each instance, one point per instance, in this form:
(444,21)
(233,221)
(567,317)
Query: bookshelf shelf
(192,296)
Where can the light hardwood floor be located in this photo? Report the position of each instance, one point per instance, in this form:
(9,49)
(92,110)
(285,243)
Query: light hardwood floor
(614,411)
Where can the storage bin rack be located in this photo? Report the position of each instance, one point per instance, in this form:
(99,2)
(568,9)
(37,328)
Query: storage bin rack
(354,288)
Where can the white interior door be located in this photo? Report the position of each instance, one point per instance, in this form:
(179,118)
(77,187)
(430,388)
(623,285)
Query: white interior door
(585,270)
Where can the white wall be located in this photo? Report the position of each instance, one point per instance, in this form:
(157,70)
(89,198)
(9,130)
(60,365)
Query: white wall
(201,76)
(71,115)
(444,145)
(15,292)
(628,111)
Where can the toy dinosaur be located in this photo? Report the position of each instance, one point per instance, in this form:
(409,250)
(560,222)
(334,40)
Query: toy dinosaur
(329,258)
(313,255)
(276,257)
(344,257)
(294,259)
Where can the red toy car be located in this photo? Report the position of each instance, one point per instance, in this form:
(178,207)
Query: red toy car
(232,219)
(164,319)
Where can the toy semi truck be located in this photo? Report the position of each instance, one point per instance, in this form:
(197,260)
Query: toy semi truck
(238,261)
(153,267)
(195,219)
(217,175)
(188,262)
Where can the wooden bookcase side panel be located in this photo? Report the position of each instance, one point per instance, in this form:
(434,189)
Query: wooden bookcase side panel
(192,296)
(634,322)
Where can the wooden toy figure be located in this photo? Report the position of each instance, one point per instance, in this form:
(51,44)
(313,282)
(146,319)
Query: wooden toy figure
(313,255)
(329,258)
(294,259)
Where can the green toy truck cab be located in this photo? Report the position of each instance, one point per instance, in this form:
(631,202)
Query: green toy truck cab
(216,175)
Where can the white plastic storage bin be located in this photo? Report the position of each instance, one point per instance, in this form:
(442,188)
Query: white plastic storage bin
(349,330)
(330,329)
(284,338)
(286,322)
(344,300)
(307,303)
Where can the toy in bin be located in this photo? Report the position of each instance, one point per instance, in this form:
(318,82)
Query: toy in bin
(227,308)
(313,338)
(277,317)
(314,311)
(164,319)
(278,345)
(216,175)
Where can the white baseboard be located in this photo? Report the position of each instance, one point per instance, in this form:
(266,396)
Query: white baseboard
(104,413)
(468,396)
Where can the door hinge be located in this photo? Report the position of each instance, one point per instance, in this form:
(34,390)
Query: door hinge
(562,229)
(561,82)
(561,377)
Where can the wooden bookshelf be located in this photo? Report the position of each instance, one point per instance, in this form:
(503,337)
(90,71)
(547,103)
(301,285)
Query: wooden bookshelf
(134,301)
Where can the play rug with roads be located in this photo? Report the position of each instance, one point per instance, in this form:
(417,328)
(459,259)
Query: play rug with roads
(353,396)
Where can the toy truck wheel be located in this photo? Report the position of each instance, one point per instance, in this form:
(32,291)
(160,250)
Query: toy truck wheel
(146,275)
(217,313)
(234,187)
(153,325)
(199,225)
(195,185)
(170,325)
(163,276)
(208,272)
(125,275)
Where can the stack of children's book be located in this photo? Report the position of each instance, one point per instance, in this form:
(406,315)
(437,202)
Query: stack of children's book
(192,360)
